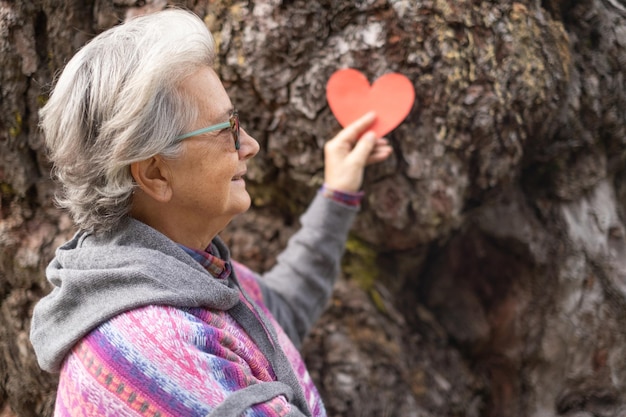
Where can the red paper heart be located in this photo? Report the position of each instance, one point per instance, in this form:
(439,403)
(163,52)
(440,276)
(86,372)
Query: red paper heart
(350,96)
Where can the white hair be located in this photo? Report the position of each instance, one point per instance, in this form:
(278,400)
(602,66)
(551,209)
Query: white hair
(117,102)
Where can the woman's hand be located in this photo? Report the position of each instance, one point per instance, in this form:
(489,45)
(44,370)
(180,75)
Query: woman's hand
(348,153)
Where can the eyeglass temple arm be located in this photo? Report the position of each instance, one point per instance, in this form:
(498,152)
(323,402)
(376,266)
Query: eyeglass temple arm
(204,130)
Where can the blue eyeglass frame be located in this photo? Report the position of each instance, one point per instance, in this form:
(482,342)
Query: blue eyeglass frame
(233,123)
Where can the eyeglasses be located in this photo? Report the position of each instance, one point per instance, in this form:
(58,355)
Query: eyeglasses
(232,123)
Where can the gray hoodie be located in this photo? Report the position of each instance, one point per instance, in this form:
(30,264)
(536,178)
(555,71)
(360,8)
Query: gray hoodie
(96,277)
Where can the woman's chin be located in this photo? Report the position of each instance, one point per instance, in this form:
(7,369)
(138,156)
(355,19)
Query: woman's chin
(242,203)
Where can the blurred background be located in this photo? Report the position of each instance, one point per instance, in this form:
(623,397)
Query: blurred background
(486,274)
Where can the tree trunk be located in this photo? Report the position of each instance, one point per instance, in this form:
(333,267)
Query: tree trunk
(486,274)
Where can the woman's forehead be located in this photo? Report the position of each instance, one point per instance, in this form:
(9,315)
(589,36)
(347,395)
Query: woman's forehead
(206,87)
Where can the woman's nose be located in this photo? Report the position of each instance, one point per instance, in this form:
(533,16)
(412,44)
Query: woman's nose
(249,146)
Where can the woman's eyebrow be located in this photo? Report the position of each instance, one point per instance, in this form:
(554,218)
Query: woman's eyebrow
(224,116)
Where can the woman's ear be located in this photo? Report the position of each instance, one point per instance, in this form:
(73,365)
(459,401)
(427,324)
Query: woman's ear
(152,177)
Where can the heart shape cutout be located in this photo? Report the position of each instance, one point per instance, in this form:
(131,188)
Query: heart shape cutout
(350,96)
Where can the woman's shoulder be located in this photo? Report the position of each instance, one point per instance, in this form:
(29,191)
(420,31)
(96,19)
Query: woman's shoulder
(161,334)
(155,320)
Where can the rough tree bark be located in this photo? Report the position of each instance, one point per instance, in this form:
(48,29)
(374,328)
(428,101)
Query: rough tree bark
(486,275)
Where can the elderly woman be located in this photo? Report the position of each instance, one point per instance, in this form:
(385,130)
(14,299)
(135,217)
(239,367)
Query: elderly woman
(148,316)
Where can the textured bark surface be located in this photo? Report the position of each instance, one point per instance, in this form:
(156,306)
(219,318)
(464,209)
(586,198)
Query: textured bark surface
(486,275)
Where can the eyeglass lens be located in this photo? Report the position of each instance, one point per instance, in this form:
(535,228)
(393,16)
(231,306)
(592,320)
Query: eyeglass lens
(234,129)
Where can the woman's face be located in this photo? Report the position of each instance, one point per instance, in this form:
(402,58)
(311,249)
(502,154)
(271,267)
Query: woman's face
(207,179)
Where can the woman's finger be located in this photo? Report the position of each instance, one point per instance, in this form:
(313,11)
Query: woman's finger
(379,154)
(354,130)
(364,148)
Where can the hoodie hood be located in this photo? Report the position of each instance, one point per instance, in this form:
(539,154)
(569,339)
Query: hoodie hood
(96,277)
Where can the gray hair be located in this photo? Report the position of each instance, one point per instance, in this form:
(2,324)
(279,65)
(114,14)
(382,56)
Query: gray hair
(117,102)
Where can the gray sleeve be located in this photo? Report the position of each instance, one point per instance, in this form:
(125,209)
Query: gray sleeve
(298,288)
